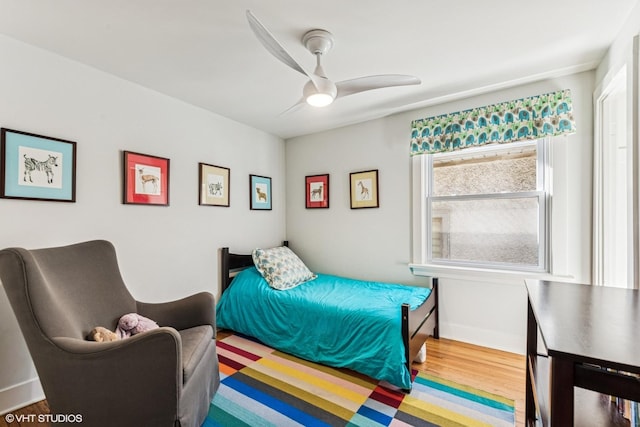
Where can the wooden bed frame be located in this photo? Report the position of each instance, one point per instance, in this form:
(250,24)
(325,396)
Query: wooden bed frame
(417,325)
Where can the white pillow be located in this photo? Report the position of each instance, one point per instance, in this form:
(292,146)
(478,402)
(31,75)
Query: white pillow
(281,268)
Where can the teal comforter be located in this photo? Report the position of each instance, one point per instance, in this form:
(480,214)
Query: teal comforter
(331,320)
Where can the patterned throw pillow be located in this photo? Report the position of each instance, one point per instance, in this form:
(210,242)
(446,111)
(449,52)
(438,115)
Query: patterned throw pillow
(281,268)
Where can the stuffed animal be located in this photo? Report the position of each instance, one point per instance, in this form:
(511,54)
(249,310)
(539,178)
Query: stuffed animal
(132,324)
(100,334)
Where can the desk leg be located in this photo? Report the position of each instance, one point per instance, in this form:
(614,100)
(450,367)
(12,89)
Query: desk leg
(561,390)
(532,351)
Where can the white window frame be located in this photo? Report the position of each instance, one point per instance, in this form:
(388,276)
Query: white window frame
(422,179)
(629,75)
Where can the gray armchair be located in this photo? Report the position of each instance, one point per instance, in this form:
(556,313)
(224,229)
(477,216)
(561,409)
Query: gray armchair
(163,377)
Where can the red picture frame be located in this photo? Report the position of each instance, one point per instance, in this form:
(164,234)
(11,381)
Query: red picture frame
(317,191)
(146,179)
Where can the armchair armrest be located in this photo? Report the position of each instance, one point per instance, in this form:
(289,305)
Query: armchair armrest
(194,310)
(138,367)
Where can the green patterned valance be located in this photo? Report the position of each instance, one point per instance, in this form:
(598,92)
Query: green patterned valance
(528,118)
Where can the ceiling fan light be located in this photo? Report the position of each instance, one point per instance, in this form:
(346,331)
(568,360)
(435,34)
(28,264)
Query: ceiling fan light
(319,99)
(321,93)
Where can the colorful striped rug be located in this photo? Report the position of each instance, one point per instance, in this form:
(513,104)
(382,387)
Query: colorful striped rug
(261,386)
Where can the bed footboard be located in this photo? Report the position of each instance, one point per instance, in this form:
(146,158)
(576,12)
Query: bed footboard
(419,324)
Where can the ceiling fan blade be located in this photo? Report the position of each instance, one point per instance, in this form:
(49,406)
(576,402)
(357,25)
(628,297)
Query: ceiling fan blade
(295,107)
(362,84)
(273,46)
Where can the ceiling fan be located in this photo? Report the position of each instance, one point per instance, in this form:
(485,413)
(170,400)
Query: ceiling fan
(319,91)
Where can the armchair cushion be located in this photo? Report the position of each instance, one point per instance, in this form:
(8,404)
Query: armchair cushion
(194,345)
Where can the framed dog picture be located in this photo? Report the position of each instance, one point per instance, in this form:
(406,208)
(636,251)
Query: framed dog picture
(260,192)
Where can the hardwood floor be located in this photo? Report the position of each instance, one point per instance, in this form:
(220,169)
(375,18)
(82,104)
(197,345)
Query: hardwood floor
(494,371)
(491,370)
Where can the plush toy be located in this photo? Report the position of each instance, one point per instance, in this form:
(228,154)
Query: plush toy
(100,334)
(132,324)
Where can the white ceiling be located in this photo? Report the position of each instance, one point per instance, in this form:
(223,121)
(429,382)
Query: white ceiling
(203,51)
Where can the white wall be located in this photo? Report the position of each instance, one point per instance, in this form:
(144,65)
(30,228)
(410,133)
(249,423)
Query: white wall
(376,243)
(369,243)
(619,53)
(164,252)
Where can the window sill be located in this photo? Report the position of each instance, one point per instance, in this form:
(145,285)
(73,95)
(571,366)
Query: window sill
(482,274)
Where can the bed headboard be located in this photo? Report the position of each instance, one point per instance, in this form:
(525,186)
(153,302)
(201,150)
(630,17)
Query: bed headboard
(231,264)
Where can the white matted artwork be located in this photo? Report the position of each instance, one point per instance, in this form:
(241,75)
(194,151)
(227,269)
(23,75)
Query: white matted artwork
(148,180)
(40,168)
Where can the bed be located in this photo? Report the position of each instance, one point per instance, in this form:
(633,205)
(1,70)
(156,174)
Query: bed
(381,327)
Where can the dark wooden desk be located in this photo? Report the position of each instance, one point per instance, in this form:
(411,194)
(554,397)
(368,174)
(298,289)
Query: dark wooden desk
(587,332)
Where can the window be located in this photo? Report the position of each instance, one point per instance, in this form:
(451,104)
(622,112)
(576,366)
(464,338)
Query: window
(487,207)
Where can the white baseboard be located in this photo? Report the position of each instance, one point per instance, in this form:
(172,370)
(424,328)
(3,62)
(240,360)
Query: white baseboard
(484,337)
(20,395)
